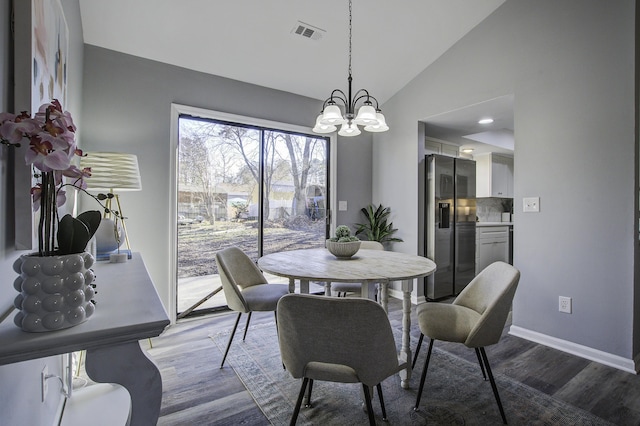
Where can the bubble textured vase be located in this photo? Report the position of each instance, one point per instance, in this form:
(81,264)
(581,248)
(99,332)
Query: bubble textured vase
(56,292)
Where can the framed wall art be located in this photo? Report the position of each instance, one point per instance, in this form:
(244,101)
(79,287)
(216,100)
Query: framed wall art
(41,59)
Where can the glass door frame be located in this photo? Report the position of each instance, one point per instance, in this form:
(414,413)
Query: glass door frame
(176,111)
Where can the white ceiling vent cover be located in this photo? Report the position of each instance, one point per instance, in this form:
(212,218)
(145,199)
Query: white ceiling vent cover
(307,31)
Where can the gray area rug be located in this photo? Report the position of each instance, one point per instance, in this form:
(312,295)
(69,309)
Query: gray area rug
(454,394)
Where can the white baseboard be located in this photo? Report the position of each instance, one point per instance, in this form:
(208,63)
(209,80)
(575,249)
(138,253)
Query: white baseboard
(615,361)
(415,300)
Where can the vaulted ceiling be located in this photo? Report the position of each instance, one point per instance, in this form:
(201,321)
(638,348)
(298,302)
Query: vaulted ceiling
(255,41)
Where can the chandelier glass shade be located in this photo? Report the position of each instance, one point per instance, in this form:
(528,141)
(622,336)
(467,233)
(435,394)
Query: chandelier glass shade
(368,115)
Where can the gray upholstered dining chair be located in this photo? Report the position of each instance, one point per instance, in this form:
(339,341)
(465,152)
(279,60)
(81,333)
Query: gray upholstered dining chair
(245,288)
(344,288)
(365,353)
(476,318)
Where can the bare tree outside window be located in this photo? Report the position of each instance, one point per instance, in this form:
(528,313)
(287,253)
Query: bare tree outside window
(221,169)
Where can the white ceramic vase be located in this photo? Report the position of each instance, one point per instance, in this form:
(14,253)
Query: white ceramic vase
(108,236)
(56,292)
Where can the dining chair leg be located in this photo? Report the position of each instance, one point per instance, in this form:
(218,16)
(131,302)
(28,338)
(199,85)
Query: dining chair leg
(415,356)
(481,363)
(308,404)
(367,400)
(296,410)
(493,384)
(246,327)
(384,411)
(275,314)
(424,375)
(233,332)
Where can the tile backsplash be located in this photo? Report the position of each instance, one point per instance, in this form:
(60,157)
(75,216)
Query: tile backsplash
(491,209)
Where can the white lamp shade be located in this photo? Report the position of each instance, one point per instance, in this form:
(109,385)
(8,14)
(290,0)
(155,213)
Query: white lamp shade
(112,171)
(349,129)
(381,126)
(332,115)
(366,116)
(323,128)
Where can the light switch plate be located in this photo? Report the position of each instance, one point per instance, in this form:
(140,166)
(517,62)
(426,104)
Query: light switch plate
(531,204)
(342,206)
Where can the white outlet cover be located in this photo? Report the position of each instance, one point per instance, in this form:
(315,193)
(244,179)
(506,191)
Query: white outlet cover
(531,205)
(564,304)
(342,206)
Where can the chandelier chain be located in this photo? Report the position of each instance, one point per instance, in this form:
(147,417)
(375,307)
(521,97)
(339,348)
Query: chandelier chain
(350,37)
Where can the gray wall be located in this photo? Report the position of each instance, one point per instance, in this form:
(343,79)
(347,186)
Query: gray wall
(20,402)
(570,65)
(123,104)
(126,107)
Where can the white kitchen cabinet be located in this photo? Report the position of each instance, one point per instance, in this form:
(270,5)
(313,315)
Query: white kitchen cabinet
(492,245)
(494,175)
(435,146)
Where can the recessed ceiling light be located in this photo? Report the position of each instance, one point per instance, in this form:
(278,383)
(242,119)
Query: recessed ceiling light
(486,121)
(467,150)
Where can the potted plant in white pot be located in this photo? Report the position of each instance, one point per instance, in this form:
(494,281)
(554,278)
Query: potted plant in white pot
(376,227)
(55,283)
(343,245)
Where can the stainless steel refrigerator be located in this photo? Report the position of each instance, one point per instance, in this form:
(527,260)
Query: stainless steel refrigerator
(450,231)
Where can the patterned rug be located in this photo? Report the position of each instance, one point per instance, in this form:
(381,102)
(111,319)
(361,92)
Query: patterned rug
(454,394)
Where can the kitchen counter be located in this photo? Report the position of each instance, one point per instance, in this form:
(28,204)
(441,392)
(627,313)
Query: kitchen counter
(494,223)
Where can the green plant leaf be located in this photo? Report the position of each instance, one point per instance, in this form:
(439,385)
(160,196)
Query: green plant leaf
(73,235)
(92,219)
(376,227)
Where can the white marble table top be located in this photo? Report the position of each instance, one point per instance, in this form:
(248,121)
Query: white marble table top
(366,265)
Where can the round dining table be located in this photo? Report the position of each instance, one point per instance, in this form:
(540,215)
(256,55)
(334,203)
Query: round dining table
(366,267)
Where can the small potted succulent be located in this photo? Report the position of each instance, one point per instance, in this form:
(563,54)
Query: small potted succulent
(343,245)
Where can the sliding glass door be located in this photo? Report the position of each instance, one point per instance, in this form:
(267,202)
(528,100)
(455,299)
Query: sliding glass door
(257,188)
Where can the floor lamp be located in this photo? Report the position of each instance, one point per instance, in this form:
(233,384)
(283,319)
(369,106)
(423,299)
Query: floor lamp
(112,172)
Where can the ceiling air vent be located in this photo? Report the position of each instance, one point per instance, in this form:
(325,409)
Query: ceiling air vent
(307,31)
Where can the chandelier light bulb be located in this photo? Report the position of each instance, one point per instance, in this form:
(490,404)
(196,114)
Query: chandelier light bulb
(380,126)
(349,129)
(366,115)
(323,128)
(332,115)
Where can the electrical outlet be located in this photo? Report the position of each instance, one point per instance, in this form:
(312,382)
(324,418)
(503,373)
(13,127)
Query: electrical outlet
(564,304)
(43,382)
(531,205)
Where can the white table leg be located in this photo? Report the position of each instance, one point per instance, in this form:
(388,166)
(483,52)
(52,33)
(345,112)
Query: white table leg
(367,290)
(304,286)
(327,288)
(384,295)
(128,365)
(405,352)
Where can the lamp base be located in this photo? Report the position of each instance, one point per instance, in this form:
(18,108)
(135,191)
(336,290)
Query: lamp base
(107,256)
(118,257)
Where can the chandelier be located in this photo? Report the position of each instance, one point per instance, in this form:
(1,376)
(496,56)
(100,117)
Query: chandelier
(331,116)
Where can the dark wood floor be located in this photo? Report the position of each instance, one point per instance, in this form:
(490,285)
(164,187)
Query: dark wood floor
(212,396)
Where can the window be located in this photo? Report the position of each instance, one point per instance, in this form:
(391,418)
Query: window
(261,188)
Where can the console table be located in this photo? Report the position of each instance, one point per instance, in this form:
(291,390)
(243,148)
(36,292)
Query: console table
(128,309)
